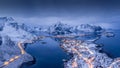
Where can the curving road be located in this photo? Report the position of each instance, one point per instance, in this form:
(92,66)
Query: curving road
(16,57)
(71,47)
(74,64)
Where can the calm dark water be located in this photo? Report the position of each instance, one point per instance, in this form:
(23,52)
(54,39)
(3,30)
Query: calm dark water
(50,55)
(47,55)
(112,44)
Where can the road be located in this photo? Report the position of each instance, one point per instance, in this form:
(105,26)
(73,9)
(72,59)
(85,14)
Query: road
(71,46)
(74,64)
(88,61)
(20,45)
(16,57)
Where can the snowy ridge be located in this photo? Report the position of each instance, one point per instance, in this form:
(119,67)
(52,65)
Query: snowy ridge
(11,33)
(64,29)
(15,31)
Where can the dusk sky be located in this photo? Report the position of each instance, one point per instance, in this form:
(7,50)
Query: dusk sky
(45,12)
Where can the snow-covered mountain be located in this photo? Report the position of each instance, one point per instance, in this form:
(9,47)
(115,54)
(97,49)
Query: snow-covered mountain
(10,34)
(9,27)
(59,29)
(87,28)
(63,29)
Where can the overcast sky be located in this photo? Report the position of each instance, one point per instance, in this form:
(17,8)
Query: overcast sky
(74,12)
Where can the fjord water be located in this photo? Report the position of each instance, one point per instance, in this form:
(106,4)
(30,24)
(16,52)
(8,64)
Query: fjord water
(111,44)
(48,54)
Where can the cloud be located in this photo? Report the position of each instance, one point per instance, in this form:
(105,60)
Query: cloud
(94,20)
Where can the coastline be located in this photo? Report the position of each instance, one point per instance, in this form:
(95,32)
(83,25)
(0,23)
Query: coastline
(67,49)
(75,59)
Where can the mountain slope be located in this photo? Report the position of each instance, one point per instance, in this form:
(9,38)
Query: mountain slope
(64,29)
(11,34)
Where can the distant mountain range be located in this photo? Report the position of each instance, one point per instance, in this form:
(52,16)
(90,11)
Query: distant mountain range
(12,32)
(64,29)
(55,29)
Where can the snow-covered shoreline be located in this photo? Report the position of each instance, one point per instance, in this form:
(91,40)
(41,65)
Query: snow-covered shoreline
(11,34)
(87,55)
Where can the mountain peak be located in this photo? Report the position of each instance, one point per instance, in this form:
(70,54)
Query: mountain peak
(10,19)
(59,23)
(6,19)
